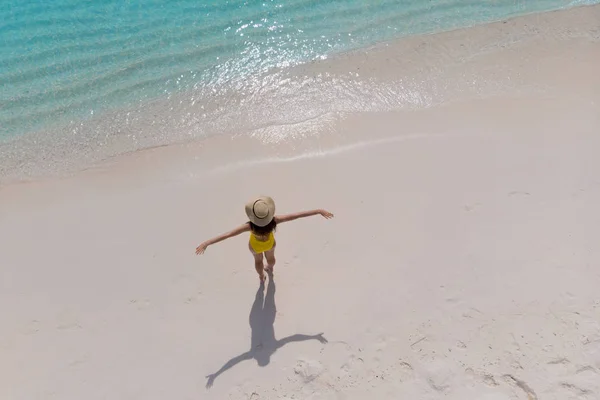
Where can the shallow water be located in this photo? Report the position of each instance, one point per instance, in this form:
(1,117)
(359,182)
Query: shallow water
(128,75)
(69,59)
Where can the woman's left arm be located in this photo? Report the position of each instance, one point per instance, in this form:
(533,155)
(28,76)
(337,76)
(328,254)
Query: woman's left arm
(290,217)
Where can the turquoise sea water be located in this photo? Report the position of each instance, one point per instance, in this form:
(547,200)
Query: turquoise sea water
(68,59)
(64,64)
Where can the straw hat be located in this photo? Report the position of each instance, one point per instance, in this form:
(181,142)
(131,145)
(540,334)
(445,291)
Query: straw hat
(261,211)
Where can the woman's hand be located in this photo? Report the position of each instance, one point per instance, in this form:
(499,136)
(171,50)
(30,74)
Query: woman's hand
(326,214)
(201,249)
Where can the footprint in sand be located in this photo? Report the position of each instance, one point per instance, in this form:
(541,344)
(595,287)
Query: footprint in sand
(489,380)
(559,361)
(587,369)
(560,365)
(521,385)
(519,193)
(439,376)
(579,392)
(308,370)
(404,371)
(350,369)
(482,377)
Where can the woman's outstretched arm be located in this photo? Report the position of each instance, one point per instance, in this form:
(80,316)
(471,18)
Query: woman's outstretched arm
(290,217)
(240,229)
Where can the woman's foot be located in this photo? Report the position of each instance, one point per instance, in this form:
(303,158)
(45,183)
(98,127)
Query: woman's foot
(262,278)
(269,269)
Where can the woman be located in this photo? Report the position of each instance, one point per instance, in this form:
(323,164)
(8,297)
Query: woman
(262,224)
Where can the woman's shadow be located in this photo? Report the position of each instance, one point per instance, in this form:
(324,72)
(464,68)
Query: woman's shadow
(263,343)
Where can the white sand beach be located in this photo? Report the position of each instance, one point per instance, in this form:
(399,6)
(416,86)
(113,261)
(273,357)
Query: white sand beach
(462,262)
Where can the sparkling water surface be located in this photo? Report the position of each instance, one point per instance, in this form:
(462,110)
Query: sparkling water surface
(69,59)
(82,81)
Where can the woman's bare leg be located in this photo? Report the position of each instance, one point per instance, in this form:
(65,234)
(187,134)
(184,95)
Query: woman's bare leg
(270,256)
(258,265)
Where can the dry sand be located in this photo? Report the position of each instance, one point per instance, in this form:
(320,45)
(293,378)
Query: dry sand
(463,262)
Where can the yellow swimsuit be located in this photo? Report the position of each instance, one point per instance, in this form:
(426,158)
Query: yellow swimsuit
(259,246)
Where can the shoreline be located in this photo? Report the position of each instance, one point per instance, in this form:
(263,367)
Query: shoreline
(433,57)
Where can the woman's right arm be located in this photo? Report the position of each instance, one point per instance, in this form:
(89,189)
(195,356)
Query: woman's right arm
(240,229)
